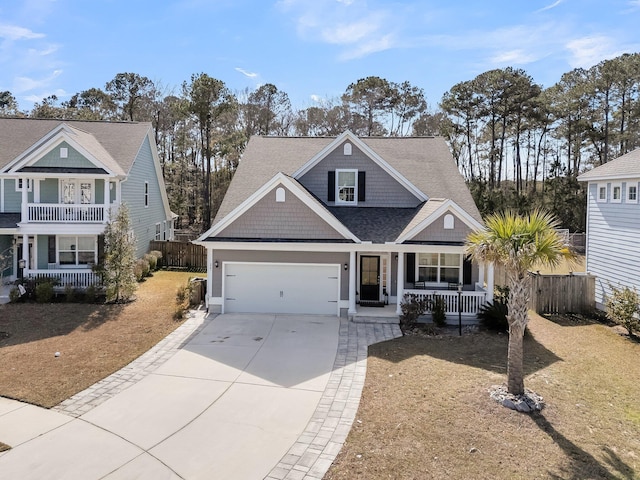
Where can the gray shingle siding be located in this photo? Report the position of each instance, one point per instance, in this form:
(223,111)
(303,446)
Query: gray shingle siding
(613,246)
(290,219)
(143,220)
(435,232)
(382,190)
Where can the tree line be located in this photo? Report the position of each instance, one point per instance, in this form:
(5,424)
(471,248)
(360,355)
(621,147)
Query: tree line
(519,145)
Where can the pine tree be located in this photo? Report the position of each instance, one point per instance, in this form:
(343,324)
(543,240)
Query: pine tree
(119,257)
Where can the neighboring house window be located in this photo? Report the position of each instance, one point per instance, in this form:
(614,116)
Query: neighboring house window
(616,193)
(347,149)
(602,193)
(439,267)
(19,185)
(75,191)
(158,231)
(449,222)
(346,186)
(77,250)
(146,194)
(632,193)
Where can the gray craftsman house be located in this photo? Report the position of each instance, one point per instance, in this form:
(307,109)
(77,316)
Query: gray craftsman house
(59,181)
(332,225)
(613,224)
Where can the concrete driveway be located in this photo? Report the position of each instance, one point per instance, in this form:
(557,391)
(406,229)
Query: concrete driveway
(228,405)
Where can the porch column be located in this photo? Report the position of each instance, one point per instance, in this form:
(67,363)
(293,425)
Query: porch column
(25,200)
(400,286)
(490,283)
(481,274)
(25,252)
(352,283)
(106,200)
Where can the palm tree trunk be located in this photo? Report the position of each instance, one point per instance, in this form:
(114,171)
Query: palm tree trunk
(518,317)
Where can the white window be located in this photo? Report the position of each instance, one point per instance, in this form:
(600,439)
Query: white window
(158,231)
(73,191)
(346,186)
(439,268)
(19,185)
(632,193)
(602,193)
(616,193)
(146,194)
(77,250)
(449,222)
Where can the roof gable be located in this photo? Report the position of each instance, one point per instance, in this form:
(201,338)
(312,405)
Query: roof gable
(377,159)
(267,221)
(625,166)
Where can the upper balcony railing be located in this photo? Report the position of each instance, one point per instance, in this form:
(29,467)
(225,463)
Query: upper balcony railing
(66,213)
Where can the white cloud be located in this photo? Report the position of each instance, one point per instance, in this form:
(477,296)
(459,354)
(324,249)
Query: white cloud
(27,84)
(246,73)
(367,48)
(349,32)
(14,32)
(588,51)
(549,7)
(33,98)
(316,98)
(514,57)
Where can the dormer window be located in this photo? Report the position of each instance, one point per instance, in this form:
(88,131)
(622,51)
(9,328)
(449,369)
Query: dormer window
(346,186)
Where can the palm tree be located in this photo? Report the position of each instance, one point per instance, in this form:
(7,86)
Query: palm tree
(518,243)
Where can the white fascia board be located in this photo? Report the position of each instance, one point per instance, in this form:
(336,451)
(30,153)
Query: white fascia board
(61,228)
(279,178)
(8,231)
(607,178)
(449,205)
(330,247)
(46,144)
(370,153)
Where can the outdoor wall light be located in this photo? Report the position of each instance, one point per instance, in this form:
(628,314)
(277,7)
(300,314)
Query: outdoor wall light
(215,264)
(346,266)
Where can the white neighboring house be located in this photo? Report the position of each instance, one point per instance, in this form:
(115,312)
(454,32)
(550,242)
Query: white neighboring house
(613,224)
(60,179)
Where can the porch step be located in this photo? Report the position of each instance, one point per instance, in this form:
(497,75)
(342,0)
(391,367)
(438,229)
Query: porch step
(371,303)
(376,320)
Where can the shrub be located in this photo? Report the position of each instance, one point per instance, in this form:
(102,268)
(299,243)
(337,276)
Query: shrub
(493,315)
(622,307)
(70,294)
(44,292)
(158,255)
(14,295)
(178,313)
(141,269)
(153,262)
(90,294)
(439,311)
(412,307)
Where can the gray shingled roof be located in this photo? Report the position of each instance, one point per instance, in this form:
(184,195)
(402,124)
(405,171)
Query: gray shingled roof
(425,161)
(626,166)
(9,220)
(114,143)
(374,224)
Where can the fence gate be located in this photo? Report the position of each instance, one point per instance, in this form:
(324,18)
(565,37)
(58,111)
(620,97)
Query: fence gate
(562,293)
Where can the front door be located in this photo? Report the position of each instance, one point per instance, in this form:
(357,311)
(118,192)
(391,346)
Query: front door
(369,278)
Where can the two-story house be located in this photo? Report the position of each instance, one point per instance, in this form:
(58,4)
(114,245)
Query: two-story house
(613,224)
(330,225)
(59,182)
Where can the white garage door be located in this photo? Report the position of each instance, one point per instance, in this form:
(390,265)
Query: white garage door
(281,288)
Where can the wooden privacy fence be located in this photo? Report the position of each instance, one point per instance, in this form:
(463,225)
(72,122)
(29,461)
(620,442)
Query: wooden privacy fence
(562,293)
(184,255)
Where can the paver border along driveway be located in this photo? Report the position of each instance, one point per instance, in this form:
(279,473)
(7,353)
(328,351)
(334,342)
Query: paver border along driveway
(248,396)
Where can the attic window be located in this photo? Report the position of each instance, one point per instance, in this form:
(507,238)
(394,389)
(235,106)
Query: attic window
(347,148)
(64,152)
(602,193)
(449,222)
(280,195)
(346,186)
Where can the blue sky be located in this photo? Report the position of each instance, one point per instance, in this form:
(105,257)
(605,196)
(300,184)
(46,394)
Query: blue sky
(311,49)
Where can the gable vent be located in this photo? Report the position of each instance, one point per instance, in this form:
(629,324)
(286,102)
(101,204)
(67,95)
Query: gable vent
(64,152)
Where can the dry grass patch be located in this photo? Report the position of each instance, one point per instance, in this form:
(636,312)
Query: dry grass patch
(425,411)
(94,340)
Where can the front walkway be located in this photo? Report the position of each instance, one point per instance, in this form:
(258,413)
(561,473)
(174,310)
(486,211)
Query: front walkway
(27,428)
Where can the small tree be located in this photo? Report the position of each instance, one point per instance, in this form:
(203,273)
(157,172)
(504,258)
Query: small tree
(119,257)
(623,306)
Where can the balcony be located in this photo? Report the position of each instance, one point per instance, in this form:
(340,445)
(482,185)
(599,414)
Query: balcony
(66,213)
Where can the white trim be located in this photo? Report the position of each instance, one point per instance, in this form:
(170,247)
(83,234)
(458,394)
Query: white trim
(78,193)
(629,185)
(353,202)
(347,135)
(618,186)
(146,195)
(1,195)
(599,186)
(439,267)
(290,185)
(449,205)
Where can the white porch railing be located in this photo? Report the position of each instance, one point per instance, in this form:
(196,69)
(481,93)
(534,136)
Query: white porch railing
(470,302)
(76,278)
(60,212)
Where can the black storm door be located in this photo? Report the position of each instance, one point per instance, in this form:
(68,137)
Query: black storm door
(370,278)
